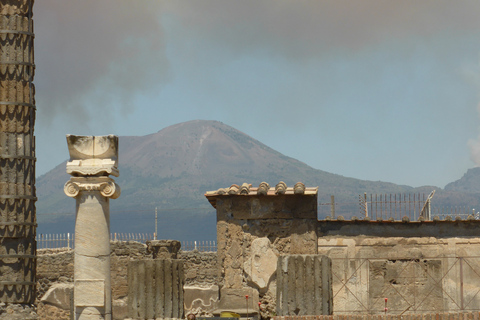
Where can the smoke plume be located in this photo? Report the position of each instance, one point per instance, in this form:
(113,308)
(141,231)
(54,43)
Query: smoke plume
(104,53)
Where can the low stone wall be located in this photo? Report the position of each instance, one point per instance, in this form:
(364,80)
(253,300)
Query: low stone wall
(201,268)
(55,266)
(419,316)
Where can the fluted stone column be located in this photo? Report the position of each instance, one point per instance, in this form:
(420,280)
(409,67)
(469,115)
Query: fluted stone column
(92,159)
(17,156)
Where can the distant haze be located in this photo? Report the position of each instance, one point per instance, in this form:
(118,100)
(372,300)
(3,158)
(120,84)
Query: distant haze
(172,169)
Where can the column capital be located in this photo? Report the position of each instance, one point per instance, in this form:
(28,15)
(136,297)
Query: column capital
(92,155)
(105,185)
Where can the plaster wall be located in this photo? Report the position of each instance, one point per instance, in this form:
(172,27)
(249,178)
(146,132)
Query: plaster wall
(419,267)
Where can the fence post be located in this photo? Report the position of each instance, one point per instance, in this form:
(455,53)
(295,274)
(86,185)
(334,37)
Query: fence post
(332,206)
(366,204)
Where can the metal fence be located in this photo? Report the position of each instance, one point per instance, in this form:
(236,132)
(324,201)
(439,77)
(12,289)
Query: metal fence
(382,207)
(460,211)
(203,246)
(396,206)
(67,240)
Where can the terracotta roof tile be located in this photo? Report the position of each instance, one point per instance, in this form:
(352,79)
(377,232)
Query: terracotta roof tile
(263,189)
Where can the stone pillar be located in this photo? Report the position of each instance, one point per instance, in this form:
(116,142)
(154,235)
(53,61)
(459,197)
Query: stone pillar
(155,289)
(17,160)
(92,159)
(304,285)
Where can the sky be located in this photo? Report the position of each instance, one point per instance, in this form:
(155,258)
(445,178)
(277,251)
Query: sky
(370,89)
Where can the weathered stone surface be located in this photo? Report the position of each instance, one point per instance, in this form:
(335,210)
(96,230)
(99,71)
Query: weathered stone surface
(262,263)
(59,295)
(17,157)
(164,249)
(92,155)
(274,207)
(235,300)
(155,289)
(304,285)
(17,312)
(368,269)
(120,309)
(89,292)
(201,301)
(56,266)
(92,159)
(201,268)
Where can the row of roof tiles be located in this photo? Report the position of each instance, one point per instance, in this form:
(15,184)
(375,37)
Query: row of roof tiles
(263,189)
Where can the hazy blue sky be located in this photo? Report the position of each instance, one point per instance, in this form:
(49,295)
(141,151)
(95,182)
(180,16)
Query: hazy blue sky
(371,89)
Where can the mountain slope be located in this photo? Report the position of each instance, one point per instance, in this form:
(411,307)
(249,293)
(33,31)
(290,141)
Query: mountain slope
(173,168)
(470,182)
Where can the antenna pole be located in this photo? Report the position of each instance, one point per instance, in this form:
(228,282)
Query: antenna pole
(155,235)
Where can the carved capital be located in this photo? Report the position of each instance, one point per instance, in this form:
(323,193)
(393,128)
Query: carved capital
(71,189)
(93,155)
(105,185)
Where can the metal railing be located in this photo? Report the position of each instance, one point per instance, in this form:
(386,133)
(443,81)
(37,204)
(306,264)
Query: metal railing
(460,211)
(382,207)
(203,246)
(67,240)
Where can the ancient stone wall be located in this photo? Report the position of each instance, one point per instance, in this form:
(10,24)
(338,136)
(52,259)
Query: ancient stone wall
(55,268)
(255,226)
(415,267)
(419,267)
(202,281)
(201,268)
(425,316)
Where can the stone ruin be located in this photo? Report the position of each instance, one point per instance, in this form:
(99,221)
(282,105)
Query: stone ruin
(92,160)
(17,161)
(272,247)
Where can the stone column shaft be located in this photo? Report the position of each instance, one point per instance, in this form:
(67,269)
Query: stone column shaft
(92,190)
(17,154)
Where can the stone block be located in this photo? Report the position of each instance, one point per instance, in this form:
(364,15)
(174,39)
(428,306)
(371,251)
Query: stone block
(59,295)
(235,300)
(89,292)
(268,207)
(120,309)
(262,263)
(304,285)
(201,299)
(92,155)
(155,289)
